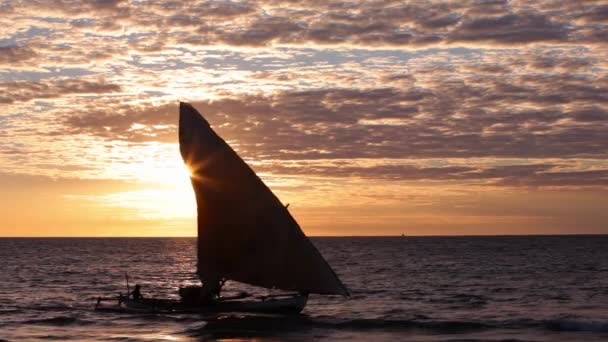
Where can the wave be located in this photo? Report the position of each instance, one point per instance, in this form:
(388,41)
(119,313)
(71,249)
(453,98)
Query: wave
(9,311)
(460,300)
(435,326)
(576,325)
(48,307)
(269,325)
(59,321)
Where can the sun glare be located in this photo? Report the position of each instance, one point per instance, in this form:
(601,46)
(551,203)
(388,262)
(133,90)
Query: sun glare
(167,194)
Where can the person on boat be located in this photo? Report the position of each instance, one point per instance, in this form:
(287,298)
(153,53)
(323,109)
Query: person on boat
(210,292)
(136,293)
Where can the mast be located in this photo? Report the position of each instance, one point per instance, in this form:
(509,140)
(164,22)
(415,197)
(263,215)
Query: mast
(244,232)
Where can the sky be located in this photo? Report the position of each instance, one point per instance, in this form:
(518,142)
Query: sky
(367,117)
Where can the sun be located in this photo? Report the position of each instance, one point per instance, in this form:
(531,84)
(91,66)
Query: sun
(165,191)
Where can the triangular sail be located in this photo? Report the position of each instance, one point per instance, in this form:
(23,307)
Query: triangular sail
(244,232)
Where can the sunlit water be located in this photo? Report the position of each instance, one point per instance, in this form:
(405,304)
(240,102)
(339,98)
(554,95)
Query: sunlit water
(411,288)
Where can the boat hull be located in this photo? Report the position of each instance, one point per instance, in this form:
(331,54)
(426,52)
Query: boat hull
(277,305)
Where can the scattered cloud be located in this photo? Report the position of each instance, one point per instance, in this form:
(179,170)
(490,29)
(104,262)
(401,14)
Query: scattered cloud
(22,91)
(15,55)
(485,95)
(528,117)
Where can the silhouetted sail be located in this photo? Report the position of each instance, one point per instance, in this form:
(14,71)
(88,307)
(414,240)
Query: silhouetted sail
(244,232)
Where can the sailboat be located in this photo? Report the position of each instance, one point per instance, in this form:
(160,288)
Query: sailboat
(245,234)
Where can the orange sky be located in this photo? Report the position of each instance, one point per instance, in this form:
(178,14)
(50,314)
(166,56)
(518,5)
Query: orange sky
(37,206)
(451,118)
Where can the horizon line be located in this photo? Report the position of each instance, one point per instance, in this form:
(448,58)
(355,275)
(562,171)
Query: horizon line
(311,236)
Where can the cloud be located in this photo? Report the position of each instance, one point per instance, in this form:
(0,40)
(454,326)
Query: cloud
(99,8)
(528,175)
(222,9)
(16,182)
(124,122)
(15,55)
(512,29)
(364,24)
(590,114)
(595,179)
(22,91)
(260,32)
(446,120)
(317,80)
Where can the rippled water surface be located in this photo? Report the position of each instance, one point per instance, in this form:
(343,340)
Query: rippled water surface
(528,288)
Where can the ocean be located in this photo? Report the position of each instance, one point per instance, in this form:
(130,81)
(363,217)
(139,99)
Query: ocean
(500,288)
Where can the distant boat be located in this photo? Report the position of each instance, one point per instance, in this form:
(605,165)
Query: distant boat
(245,233)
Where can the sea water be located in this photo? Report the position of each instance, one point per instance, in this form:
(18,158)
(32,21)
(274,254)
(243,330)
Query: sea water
(509,288)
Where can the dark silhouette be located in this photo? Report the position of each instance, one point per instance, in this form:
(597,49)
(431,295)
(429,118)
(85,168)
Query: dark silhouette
(245,233)
(210,292)
(136,293)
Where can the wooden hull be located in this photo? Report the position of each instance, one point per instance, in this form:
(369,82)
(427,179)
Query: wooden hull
(278,305)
